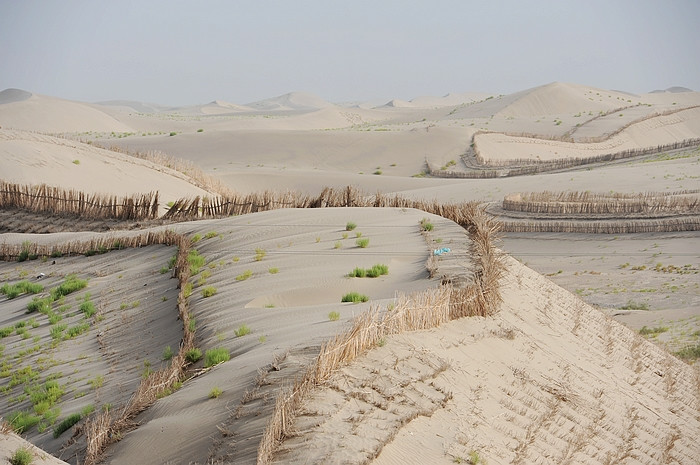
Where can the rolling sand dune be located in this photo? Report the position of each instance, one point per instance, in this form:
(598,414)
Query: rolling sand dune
(50,114)
(546,380)
(34,158)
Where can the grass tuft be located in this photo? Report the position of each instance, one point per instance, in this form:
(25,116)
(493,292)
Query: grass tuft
(362,243)
(334,316)
(215,356)
(354,297)
(193,355)
(208,291)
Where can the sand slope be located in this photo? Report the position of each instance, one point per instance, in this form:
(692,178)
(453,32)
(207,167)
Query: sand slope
(546,380)
(50,114)
(30,158)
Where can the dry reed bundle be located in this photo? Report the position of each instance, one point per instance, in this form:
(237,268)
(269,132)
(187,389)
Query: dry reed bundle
(566,203)
(57,201)
(418,311)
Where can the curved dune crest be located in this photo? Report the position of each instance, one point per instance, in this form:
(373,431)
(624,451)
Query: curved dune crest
(50,114)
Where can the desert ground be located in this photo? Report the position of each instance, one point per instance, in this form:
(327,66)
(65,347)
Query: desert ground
(587,322)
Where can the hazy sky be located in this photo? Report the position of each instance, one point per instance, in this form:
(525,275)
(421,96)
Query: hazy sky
(186,52)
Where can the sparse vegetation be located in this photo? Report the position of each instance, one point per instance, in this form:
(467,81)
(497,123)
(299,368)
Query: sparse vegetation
(22,456)
(245,275)
(354,297)
(375,271)
(215,392)
(350,226)
(215,356)
(208,291)
(259,254)
(362,243)
(652,331)
(426,225)
(193,355)
(66,424)
(167,353)
(334,316)
(689,353)
(633,305)
(242,330)
(273,270)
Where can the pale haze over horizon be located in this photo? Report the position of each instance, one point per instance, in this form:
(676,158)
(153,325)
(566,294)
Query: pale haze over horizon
(179,53)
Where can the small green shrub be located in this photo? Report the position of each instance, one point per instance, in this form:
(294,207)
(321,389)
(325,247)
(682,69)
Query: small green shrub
(259,254)
(200,130)
(22,421)
(273,270)
(334,316)
(242,331)
(426,225)
(215,356)
(57,331)
(354,297)
(338,245)
(211,234)
(350,226)
(22,287)
(70,285)
(77,330)
(208,291)
(193,355)
(66,424)
(215,392)
(40,305)
(688,353)
(362,243)
(632,305)
(88,308)
(658,330)
(358,273)
(195,261)
(173,133)
(187,290)
(22,456)
(377,270)
(245,275)
(167,353)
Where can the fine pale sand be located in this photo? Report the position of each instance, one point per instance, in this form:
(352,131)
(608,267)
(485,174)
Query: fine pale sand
(548,379)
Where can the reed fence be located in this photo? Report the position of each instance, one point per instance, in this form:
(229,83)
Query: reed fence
(572,203)
(605,227)
(57,201)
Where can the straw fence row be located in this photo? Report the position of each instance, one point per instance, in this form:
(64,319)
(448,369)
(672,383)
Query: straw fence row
(605,227)
(572,203)
(531,166)
(419,311)
(54,200)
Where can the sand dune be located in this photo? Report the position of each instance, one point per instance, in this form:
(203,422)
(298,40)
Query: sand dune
(291,101)
(546,380)
(30,158)
(50,114)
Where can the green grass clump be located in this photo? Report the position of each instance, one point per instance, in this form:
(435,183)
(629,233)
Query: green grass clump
(57,331)
(167,353)
(215,356)
(358,273)
(22,456)
(354,297)
(350,226)
(259,254)
(22,421)
(334,316)
(187,290)
(66,424)
(40,305)
(377,270)
(245,275)
(647,331)
(426,225)
(688,353)
(242,330)
(195,261)
(362,243)
(208,291)
(211,234)
(632,305)
(22,287)
(273,270)
(88,308)
(4,332)
(193,355)
(77,330)
(215,393)
(70,285)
